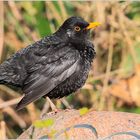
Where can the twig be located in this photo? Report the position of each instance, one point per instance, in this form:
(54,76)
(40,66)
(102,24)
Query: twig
(19,16)
(63,10)
(102,76)
(14,115)
(9,91)
(127,38)
(49,17)
(3,130)
(14,10)
(1,29)
(109,64)
(88,86)
(52,8)
(9,103)
(30,107)
(32,112)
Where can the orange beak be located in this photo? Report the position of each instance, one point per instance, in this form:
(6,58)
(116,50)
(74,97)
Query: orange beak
(93,25)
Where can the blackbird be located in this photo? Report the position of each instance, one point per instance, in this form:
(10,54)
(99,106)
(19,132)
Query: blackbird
(54,66)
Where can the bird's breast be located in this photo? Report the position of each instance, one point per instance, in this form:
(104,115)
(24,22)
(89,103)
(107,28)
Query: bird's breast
(86,51)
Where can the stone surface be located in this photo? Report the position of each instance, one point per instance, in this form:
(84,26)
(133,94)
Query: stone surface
(105,123)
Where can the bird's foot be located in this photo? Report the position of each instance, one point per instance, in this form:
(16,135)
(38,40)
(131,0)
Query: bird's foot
(53,108)
(54,112)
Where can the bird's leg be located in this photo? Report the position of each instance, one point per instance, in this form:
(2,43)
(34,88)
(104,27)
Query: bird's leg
(48,104)
(45,109)
(53,107)
(67,105)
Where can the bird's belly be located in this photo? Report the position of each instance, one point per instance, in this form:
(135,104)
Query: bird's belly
(71,84)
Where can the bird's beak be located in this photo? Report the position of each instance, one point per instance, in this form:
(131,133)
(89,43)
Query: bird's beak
(93,25)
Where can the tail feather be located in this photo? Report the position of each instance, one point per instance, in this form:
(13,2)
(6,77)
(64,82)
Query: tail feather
(23,102)
(28,98)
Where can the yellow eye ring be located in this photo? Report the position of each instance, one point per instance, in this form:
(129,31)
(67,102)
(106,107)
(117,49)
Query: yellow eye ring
(77,28)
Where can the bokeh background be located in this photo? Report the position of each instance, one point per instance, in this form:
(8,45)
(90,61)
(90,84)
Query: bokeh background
(114,80)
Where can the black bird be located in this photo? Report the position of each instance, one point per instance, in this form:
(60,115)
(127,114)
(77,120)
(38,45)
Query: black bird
(54,66)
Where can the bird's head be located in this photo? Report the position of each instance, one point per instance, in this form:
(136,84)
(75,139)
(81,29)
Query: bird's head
(76,29)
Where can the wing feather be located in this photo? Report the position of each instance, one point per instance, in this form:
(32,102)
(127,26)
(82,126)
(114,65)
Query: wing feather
(46,78)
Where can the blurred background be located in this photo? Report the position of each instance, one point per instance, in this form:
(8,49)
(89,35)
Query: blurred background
(114,80)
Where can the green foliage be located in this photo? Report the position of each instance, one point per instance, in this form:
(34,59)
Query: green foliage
(130,109)
(43,123)
(43,25)
(83,111)
(135,11)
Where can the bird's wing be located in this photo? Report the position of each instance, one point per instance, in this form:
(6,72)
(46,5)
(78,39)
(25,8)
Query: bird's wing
(45,77)
(15,70)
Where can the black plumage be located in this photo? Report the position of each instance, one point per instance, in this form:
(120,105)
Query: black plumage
(54,66)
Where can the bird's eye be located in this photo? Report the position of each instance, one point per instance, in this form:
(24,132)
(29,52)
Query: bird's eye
(77,28)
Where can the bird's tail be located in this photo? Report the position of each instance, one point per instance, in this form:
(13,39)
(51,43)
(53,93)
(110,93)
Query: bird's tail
(27,99)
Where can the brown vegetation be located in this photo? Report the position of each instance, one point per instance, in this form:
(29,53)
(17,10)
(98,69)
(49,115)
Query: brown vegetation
(113,83)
